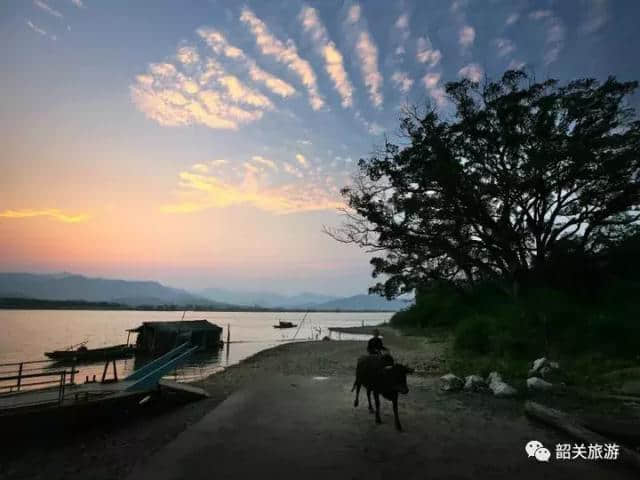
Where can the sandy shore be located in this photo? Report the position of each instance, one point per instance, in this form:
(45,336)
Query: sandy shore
(272,403)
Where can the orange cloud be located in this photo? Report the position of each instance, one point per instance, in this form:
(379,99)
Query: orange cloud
(200,192)
(47,212)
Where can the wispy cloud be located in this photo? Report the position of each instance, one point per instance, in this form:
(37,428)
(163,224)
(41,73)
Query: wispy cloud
(173,98)
(240,93)
(466,36)
(219,44)
(540,14)
(355,27)
(53,213)
(302,160)
(188,55)
(202,192)
(425,53)
(334,63)
(78,3)
(353,15)
(260,160)
(472,71)
(48,9)
(292,170)
(285,54)
(512,18)
(431,80)
(402,27)
(368,54)
(555,35)
(597,16)
(35,28)
(504,46)
(402,81)
(200,168)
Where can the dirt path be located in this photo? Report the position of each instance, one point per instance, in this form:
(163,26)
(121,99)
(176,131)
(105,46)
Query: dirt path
(292,426)
(269,416)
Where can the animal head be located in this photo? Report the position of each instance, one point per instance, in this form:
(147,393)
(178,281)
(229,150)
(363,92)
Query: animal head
(398,375)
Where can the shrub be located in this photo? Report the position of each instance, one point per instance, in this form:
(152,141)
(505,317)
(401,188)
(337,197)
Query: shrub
(473,334)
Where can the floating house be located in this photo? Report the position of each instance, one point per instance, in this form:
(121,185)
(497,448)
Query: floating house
(160,337)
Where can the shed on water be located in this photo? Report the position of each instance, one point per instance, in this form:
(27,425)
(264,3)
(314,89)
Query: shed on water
(159,337)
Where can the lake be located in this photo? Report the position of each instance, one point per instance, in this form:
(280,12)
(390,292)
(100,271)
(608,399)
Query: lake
(27,334)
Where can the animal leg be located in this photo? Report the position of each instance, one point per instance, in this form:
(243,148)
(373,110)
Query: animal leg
(369,400)
(395,413)
(355,402)
(376,397)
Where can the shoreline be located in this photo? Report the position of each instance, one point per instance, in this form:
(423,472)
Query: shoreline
(270,385)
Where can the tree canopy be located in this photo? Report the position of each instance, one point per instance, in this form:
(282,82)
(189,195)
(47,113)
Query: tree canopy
(491,192)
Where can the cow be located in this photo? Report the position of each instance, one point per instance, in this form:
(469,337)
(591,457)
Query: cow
(382,376)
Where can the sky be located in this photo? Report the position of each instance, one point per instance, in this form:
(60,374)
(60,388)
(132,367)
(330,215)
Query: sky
(204,143)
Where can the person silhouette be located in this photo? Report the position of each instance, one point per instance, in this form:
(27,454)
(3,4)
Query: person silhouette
(375,345)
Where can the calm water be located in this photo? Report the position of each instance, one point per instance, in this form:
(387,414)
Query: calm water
(27,334)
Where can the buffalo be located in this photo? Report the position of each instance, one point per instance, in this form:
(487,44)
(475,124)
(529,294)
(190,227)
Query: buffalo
(382,376)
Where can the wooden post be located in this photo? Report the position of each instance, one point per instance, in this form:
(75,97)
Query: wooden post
(73,373)
(228,333)
(63,380)
(115,370)
(19,376)
(104,372)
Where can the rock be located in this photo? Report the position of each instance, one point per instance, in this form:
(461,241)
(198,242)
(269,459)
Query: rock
(474,383)
(502,389)
(554,365)
(450,383)
(537,365)
(499,387)
(536,383)
(494,377)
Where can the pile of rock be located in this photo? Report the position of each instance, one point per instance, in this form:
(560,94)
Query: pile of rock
(544,375)
(475,383)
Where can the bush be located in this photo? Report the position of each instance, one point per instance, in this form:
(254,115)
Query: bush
(473,334)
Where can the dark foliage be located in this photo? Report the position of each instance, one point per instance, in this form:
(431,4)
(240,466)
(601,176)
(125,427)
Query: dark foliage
(527,185)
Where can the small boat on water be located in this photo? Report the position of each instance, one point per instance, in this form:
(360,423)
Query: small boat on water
(84,354)
(282,324)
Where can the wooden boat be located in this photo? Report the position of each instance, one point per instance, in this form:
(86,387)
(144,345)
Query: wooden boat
(282,324)
(84,354)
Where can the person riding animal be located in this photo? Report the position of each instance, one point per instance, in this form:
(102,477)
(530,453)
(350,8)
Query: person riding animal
(375,345)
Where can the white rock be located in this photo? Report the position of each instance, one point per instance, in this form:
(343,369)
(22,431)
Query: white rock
(537,365)
(554,365)
(502,389)
(450,383)
(535,383)
(474,383)
(494,377)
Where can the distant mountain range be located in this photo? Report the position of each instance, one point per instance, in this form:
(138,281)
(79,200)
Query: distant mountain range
(78,287)
(303,301)
(66,286)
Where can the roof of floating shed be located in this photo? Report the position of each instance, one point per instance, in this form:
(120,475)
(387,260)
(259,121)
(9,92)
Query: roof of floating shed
(182,326)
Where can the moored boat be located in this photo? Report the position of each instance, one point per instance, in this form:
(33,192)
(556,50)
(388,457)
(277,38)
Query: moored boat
(84,354)
(282,324)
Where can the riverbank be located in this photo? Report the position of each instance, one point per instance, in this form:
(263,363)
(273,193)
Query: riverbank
(293,404)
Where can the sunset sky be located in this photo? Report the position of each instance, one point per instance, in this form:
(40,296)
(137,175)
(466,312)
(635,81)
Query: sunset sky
(204,143)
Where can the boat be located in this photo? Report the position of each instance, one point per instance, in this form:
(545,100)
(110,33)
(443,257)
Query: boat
(282,324)
(84,354)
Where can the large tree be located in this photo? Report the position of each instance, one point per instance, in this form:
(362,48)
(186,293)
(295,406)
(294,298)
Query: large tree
(489,191)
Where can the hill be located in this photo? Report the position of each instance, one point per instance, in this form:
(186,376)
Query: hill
(78,287)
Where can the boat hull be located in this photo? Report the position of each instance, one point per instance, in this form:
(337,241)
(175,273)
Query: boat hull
(108,353)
